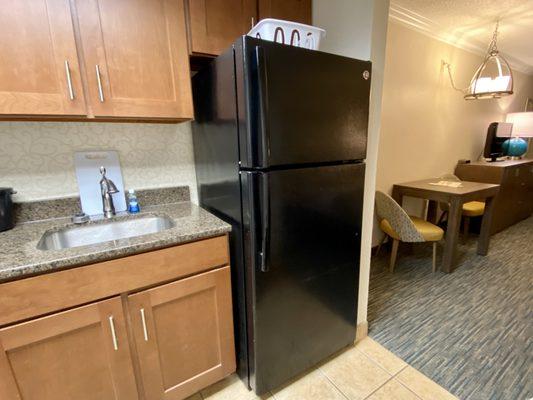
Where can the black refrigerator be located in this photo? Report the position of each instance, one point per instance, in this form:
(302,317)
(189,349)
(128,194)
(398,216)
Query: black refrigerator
(280,140)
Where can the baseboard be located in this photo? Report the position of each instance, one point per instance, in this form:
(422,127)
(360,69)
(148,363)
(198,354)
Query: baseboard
(361,331)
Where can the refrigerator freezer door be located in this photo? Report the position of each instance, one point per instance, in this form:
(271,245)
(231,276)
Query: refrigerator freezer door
(303,288)
(302,106)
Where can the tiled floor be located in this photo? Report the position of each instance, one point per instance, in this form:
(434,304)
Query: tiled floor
(366,371)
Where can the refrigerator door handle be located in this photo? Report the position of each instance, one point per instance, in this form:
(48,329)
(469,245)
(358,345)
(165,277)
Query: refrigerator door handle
(262,86)
(265,222)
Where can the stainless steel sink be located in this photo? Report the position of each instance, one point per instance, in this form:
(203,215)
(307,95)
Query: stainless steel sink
(108,231)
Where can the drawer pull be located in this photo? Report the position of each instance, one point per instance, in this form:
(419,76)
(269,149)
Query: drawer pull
(99,82)
(145,330)
(113,333)
(69,81)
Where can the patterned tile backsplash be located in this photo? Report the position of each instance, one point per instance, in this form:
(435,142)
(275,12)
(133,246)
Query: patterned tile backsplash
(37,158)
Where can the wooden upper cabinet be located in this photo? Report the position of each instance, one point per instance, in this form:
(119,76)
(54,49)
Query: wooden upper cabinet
(184,335)
(39,59)
(136,58)
(214,24)
(289,10)
(80,354)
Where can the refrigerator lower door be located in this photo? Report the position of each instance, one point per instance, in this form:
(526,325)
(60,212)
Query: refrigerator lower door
(302,246)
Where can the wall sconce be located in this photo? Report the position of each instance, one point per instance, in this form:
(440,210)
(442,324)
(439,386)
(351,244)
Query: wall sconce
(492,80)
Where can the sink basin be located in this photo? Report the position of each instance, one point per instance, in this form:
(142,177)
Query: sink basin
(77,236)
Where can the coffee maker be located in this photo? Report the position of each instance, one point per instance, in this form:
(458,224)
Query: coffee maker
(7,218)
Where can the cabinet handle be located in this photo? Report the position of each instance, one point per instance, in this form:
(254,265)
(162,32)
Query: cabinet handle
(253,22)
(69,81)
(143,320)
(99,81)
(113,333)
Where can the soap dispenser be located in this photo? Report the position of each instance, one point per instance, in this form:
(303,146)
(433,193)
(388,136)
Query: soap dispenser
(133,204)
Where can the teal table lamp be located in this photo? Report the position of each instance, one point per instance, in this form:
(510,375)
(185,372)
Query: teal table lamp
(522,128)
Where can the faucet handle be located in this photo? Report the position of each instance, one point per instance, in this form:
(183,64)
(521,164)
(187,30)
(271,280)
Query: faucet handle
(112,188)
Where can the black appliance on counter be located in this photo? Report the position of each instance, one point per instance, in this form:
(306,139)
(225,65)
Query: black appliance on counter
(7,217)
(280,141)
(497,134)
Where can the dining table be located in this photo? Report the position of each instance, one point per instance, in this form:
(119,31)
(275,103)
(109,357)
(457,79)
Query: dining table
(455,194)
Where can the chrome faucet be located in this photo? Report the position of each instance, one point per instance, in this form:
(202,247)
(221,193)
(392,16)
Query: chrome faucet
(108,188)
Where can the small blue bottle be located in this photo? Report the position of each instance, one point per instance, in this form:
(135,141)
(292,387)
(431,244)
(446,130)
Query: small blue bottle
(133,204)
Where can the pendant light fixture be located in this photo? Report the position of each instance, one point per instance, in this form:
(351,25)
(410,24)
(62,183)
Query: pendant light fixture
(493,78)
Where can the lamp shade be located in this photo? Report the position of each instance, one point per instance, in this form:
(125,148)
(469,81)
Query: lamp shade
(493,79)
(522,123)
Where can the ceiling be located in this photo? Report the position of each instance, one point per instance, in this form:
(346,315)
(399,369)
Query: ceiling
(469,24)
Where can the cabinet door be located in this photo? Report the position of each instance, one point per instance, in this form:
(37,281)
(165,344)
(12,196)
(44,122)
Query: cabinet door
(214,25)
(184,334)
(289,10)
(79,354)
(39,72)
(136,58)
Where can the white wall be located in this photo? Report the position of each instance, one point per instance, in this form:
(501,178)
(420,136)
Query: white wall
(37,158)
(358,29)
(348,25)
(426,125)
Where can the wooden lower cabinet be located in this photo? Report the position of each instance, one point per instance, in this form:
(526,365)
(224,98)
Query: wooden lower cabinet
(184,334)
(166,342)
(79,354)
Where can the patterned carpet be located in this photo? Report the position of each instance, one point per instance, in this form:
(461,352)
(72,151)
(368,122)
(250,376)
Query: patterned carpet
(471,330)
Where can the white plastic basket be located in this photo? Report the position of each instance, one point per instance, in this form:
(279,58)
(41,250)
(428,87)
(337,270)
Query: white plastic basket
(286,32)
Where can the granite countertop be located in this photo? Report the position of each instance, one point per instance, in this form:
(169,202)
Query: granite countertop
(19,256)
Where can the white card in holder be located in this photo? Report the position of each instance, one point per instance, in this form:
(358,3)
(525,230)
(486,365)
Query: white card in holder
(88,165)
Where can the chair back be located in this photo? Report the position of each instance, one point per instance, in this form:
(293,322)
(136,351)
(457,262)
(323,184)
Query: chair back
(451,178)
(387,208)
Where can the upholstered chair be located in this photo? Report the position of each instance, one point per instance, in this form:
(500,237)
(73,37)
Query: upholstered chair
(401,227)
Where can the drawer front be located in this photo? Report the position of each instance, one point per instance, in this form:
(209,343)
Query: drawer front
(47,293)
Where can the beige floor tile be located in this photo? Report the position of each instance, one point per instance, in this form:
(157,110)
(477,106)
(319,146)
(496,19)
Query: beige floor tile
(313,386)
(388,361)
(355,374)
(393,390)
(231,388)
(424,387)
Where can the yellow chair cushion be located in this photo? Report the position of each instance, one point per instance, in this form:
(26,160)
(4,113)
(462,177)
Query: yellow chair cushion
(473,208)
(387,228)
(429,231)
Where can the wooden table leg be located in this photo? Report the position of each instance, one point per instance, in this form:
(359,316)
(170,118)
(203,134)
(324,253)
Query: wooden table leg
(432,211)
(484,234)
(397,195)
(452,234)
